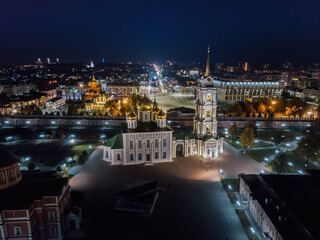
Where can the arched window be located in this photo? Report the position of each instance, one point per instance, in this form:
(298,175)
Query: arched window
(208,130)
(2,178)
(208,113)
(209,98)
(10,174)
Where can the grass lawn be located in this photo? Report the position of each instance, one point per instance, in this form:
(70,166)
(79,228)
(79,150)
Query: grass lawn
(259,155)
(289,136)
(293,157)
(246,224)
(47,153)
(234,183)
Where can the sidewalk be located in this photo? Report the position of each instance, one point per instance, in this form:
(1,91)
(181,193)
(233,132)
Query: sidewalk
(253,223)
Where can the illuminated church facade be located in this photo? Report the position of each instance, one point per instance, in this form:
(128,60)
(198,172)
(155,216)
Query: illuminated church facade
(146,138)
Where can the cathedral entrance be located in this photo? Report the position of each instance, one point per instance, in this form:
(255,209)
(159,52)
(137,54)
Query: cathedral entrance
(148,158)
(179,149)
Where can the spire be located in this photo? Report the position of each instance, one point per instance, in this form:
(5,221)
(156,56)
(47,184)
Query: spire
(93,78)
(208,64)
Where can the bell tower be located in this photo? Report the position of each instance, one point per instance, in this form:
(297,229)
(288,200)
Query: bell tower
(205,121)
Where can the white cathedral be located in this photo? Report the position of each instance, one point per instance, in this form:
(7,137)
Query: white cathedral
(147,139)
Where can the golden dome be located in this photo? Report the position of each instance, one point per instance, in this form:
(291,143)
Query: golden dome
(131,116)
(161,115)
(145,104)
(156,110)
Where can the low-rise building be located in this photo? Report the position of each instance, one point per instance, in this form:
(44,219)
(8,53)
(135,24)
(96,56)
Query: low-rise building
(55,103)
(283,206)
(32,203)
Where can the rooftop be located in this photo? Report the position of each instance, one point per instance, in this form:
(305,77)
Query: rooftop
(294,207)
(21,195)
(145,127)
(116,142)
(7,159)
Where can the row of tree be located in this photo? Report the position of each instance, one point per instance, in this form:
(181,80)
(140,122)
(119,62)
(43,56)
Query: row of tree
(267,108)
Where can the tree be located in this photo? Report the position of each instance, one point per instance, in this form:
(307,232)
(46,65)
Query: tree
(309,148)
(31,166)
(237,110)
(247,138)
(72,109)
(277,139)
(76,158)
(253,125)
(281,162)
(262,109)
(250,111)
(233,131)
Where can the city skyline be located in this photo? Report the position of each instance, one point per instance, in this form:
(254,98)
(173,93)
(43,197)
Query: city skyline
(274,32)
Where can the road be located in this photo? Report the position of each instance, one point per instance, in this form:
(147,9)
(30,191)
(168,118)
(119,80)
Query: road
(233,162)
(194,204)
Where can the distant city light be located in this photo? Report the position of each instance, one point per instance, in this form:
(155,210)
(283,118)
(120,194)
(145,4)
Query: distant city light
(10,138)
(252,229)
(41,135)
(72,135)
(53,122)
(27,122)
(290,163)
(6,122)
(238,142)
(27,159)
(266,159)
(262,171)
(102,136)
(230,187)
(72,141)
(106,123)
(298,138)
(78,122)
(300,171)
(90,147)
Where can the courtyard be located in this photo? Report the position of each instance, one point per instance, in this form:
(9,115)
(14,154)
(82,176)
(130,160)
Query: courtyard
(192,205)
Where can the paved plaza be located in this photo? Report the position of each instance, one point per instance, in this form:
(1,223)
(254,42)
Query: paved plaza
(193,205)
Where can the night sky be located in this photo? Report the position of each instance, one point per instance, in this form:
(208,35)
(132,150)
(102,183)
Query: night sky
(266,31)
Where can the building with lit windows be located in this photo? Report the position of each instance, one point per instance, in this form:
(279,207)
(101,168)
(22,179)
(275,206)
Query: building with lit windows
(241,90)
(32,203)
(145,139)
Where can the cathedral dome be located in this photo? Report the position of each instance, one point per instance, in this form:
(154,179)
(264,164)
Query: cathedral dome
(161,115)
(156,110)
(145,104)
(131,116)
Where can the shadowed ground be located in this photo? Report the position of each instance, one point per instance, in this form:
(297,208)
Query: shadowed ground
(194,204)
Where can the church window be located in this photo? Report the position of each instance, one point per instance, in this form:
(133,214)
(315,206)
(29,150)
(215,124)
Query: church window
(51,215)
(131,144)
(145,117)
(148,143)
(188,149)
(17,230)
(208,113)
(131,157)
(156,143)
(208,130)
(140,144)
(164,142)
(107,154)
(1,178)
(10,175)
(209,98)
(156,155)
(164,155)
(140,156)
(118,157)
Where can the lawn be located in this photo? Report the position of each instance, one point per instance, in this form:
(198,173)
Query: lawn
(293,157)
(47,153)
(289,136)
(259,155)
(234,183)
(246,224)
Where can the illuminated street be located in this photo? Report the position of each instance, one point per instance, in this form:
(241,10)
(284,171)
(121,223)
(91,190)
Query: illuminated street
(193,204)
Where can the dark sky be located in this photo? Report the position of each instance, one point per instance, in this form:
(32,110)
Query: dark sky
(258,31)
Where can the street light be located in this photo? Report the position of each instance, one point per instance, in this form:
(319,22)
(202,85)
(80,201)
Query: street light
(252,230)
